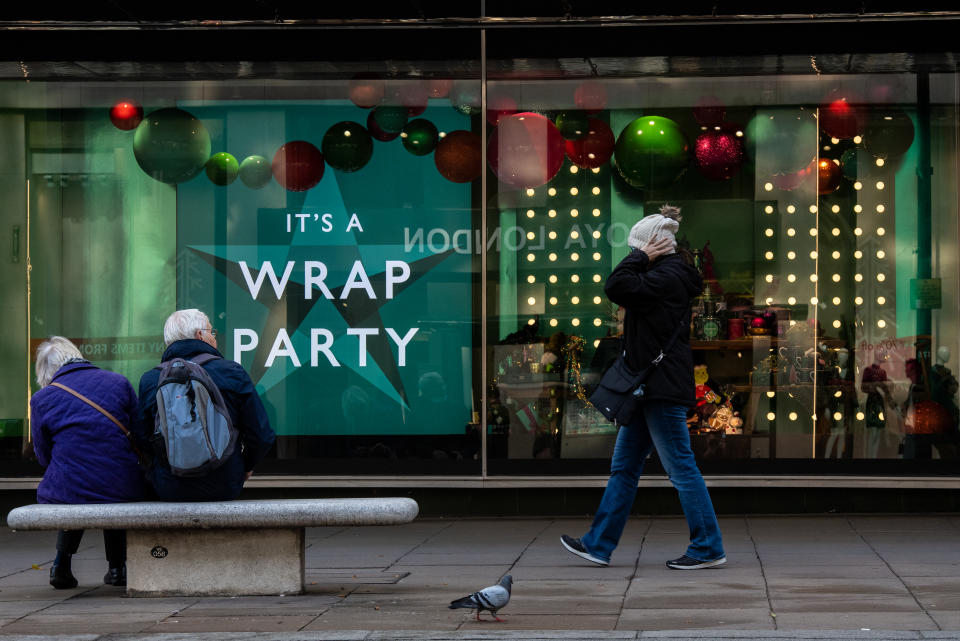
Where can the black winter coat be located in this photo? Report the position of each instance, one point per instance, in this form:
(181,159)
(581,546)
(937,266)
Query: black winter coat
(656,296)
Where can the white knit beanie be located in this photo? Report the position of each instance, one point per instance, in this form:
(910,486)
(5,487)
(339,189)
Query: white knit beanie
(654,226)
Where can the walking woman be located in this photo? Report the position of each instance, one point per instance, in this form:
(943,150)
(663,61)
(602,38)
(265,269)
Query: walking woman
(86,455)
(655,285)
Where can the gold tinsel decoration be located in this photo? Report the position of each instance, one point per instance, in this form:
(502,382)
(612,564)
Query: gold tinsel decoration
(573,352)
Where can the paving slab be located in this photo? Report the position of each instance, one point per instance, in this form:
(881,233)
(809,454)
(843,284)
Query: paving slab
(947,620)
(70,624)
(387,618)
(235,623)
(309,604)
(872,620)
(699,617)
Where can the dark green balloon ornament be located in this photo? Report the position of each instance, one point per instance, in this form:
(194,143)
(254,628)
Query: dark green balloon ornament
(222,169)
(419,137)
(347,146)
(651,152)
(171,145)
(573,125)
(390,118)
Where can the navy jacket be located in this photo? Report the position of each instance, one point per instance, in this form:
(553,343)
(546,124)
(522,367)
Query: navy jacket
(88,458)
(657,296)
(246,411)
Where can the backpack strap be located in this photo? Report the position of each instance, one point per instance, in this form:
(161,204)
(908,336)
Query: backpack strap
(203,359)
(125,431)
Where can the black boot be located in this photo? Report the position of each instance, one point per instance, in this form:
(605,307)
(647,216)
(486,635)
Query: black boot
(116,576)
(60,575)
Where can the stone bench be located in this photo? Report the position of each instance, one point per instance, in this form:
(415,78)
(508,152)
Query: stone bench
(218,548)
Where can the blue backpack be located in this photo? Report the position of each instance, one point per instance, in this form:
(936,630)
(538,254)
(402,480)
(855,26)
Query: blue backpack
(193,432)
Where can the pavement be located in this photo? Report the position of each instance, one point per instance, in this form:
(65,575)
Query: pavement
(787,577)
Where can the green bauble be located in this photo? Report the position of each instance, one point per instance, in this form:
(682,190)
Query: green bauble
(390,118)
(419,137)
(255,172)
(347,146)
(222,169)
(782,140)
(171,145)
(848,163)
(573,125)
(651,152)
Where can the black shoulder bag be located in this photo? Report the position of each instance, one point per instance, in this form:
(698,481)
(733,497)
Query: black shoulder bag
(621,389)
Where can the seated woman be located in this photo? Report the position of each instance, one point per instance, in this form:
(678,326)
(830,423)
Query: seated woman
(86,455)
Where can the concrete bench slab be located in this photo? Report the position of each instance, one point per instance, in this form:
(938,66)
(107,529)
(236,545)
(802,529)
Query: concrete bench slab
(224,548)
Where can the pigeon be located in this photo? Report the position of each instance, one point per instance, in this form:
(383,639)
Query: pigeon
(492,598)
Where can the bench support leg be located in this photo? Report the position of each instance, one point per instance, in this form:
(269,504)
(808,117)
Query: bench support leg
(228,562)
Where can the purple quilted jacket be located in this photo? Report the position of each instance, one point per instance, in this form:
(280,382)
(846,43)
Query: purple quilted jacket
(86,456)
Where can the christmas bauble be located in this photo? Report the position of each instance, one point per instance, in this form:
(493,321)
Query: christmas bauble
(849,163)
(841,118)
(366,91)
(298,165)
(785,139)
(222,168)
(458,156)
(525,150)
(719,154)
(651,151)
(888,133)
(126,115)
(572,124)
(347,146)
(829,176)
(171,145)
(590,96)
(390,118)
(377,132)
(419,137)
(930,417)
(709,111)
(465,96)
(439,87)
(255,172)
(500,106)
(594,148)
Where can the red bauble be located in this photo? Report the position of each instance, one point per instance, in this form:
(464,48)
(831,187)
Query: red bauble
(126,115)
(829,174)
(590,96)
(525,150)
(719,154)
(458,156)
(841,118)
(594,148)
(930,417)
(709,111)
(377,132)
(439,87)
(298,165)
(366,91)
(498,107)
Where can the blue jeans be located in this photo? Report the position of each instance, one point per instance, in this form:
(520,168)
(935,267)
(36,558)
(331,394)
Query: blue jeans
(664,426)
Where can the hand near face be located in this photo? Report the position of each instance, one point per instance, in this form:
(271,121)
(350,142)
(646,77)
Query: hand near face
(658,247)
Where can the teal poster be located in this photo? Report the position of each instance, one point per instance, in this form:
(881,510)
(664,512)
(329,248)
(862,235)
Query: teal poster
(349,303)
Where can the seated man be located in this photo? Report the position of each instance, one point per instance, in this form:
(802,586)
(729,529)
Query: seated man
(188,334)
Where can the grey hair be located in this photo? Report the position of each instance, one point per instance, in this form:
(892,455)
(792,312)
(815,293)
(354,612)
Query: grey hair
(671,211)
(183,324)
(51,355)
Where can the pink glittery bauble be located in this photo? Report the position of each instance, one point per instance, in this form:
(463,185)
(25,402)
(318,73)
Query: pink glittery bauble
(719,154)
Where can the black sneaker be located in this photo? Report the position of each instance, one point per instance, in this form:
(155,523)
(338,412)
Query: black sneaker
(686,563)
(574,546)
(61,577)
(116,576)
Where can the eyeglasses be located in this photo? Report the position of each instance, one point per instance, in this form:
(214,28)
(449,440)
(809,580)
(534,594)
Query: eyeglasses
(211,331)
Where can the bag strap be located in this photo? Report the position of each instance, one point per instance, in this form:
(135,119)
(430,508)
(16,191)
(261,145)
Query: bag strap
(673,339)
(86,400)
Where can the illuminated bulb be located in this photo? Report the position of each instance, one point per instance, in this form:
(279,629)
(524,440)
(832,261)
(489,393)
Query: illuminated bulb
(837,416)
(861,416)
(771,394)
(792,416)
(813,231)
(858,300)
(791,232)
(595,191)
(768,209)
(881,209)
(835,231)
(857,231)
(791,255)
(596,233)
(836,278)
(879,162)
(531,257)
(531,301)
(768,186)
(597,300)
(813,278)
(575,300)
(881,323)
(858,277)
(836,324)
(574,191)
(531,235)
(791,209)
(837,394)
(553,322)
(880,416)
(575,322)
(595,170)
(596,343)
(597,278)
(574,278)
(552,213)
(881,278)
(858,254)
(835,209)
(858,208)
(574,213)
(552,191)
(531,279)
(768,232)
(596,213)
(768,255)
(835,255)
(552,256)
(574,256)
(857,139)
(881,254)
(771,416)
(530,213)
(553,300)
(769,301)
(835,141)
(836,300)
(792,300)
(597,322)
(596,255)
(768,278)
(531,322)
(791,278)
(813,255)
(881,231)
(881,300)
(530,193)
(553,278)
(880,184)
(858,185)
(813,209)
(814,300)
(574,169)
(552,235)
(574,234)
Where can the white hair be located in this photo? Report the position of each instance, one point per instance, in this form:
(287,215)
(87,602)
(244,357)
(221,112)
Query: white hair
(51,355)
(183,324)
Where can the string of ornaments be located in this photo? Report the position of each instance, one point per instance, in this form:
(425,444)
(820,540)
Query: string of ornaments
(527,149)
